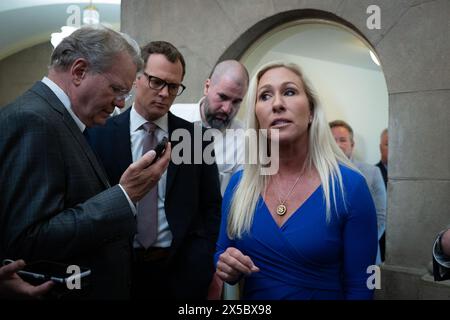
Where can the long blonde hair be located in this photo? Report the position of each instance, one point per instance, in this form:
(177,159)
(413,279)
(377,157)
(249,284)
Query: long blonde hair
(323,154)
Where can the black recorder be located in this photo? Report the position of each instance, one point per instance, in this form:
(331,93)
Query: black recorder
(63,274)
(160,148)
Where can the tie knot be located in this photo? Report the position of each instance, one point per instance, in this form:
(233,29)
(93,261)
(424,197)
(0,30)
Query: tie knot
(150,127)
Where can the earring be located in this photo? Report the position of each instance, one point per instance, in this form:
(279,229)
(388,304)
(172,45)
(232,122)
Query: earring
(310,119)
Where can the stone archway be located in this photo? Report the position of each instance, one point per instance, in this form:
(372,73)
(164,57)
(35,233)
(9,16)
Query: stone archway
(245,40)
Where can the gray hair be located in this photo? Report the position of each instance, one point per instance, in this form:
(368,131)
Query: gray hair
(98,45)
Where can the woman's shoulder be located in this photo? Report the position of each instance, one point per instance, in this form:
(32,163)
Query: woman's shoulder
(355,185)
(236,177)
(232,184)
(350,174)
(352,178)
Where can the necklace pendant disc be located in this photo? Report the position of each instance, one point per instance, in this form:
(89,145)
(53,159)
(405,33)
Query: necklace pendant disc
(281,209)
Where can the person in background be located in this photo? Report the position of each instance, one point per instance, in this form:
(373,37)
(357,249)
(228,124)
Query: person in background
(383,165)
(223,93)
(309,231)
(343,135)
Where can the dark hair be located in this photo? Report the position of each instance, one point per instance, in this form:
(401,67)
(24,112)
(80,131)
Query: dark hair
(342,123)
(98,45)
(165,48)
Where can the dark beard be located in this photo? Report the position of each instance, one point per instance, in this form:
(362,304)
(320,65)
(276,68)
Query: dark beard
(217,123)
(212,120)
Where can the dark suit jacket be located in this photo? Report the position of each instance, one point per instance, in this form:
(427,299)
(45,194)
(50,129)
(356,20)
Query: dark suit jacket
(192,203)
(56,202)
(383,172)
(383,237)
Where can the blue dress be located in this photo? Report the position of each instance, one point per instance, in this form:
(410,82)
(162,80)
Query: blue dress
(307,258)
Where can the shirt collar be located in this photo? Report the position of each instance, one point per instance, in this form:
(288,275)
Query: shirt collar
(199,118)
(64,98)
(136,121)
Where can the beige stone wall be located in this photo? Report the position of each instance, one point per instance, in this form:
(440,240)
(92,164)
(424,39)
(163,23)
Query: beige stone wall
(19,71)
(413,45)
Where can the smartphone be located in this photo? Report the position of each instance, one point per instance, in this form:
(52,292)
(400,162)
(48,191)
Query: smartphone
(41,271)
(159,149)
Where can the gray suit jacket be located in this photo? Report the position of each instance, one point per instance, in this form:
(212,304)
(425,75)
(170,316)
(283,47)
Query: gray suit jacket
(377,190)
(55,200)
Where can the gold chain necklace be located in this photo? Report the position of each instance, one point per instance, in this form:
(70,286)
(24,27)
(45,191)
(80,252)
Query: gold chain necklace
(281,208)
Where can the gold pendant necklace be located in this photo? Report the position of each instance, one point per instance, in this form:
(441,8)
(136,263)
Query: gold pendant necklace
(282,208)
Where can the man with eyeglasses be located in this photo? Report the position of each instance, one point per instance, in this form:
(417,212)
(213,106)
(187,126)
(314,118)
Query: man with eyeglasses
(56,201)
(175,261)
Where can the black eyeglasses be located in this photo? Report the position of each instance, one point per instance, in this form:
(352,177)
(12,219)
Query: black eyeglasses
(119,93)
(159,84)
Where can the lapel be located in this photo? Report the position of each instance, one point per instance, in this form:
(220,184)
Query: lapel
(45,92)
(121,141)
(172,169)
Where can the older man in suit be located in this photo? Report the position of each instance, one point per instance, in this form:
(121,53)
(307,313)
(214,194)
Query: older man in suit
(56,201)
(174,261)
(383,166)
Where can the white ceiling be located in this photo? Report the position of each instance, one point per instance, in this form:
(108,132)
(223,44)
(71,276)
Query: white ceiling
(25,23)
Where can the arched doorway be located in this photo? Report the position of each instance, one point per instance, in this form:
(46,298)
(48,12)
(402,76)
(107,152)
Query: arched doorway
(343,69)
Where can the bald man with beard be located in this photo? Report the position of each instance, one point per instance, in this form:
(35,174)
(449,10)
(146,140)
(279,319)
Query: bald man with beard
(223,93)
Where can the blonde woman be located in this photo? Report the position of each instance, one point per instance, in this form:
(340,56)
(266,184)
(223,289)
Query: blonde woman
(310,230)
